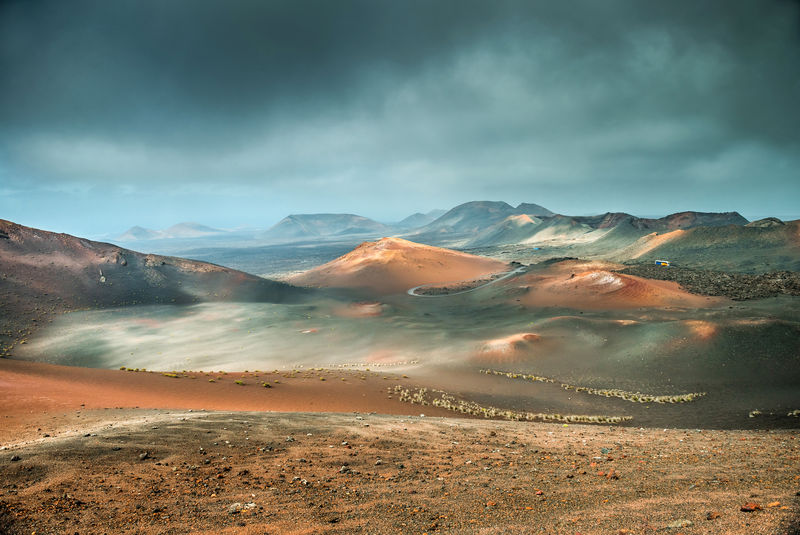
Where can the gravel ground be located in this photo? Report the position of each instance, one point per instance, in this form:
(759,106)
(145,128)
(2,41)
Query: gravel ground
(737,286)
(258,473)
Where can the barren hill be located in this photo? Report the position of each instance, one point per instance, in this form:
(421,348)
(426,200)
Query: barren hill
(310,226)
(181,230)
(557,229)
(595,285)
(393,265)
(43,272)
(752,248)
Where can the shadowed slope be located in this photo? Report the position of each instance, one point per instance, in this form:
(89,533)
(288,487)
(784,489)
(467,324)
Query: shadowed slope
(43,272)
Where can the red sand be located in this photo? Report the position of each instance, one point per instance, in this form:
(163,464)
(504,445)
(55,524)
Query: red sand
(588,285)
(46,390)
(393,265)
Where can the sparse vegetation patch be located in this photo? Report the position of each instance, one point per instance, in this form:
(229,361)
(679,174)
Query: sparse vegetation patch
(634,397)
(439,398)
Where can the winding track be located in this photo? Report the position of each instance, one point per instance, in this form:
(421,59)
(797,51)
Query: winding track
(413,291)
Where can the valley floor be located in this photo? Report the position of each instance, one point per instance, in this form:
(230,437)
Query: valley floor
(157,471)
(89,451)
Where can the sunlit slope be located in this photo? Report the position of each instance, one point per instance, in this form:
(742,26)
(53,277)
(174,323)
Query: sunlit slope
(393,265)
(596,286)
(750,248)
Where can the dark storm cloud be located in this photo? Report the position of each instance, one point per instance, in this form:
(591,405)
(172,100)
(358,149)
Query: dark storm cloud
(457,99)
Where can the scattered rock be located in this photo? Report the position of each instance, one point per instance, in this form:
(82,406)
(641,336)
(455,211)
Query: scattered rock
(712,515)
(737,286)
(749,507)
(143,456)
(773,504)
(682,523)
(15,458)
(237,507)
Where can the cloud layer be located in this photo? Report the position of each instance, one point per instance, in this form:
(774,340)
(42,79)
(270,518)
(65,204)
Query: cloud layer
(250,110)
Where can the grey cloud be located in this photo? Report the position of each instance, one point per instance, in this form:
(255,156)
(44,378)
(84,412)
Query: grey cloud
(512,97)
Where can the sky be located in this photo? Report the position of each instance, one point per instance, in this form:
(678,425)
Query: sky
(237,113)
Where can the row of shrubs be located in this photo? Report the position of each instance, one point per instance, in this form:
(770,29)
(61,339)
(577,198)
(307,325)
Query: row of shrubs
(446,401)
(635,397)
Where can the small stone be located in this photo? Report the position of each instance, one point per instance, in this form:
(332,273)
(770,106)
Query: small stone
(143,456)
(379,462)
(749,507)
(237,507)
(15,458)
(712,515)
(683,523)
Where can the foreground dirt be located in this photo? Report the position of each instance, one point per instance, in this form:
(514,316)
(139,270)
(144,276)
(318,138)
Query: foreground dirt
(189,472)
(40,400)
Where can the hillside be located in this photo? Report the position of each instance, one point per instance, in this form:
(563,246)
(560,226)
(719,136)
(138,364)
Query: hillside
(560,230)
(181,230)
(460,225)
(748,248)
(393,265)
(419,219)
(42,273)
(311,226)
(596,286)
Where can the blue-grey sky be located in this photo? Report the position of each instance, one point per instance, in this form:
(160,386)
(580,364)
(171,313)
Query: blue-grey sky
(125,112)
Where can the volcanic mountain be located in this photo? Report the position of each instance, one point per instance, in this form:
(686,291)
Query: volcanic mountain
(181,230)
(393,265)
(311,226)
(762,246)
(595,285)
(460,224)
(43,272)
(419,219)
(561,229)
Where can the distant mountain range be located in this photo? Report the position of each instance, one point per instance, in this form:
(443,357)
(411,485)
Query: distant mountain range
(522,229)
(297,227)
(419,219)
(181,230)
(683,236)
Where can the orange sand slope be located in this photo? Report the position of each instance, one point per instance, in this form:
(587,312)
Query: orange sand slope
(592,285)
(507,349)
(393,265)
(647,243)
(28,389)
